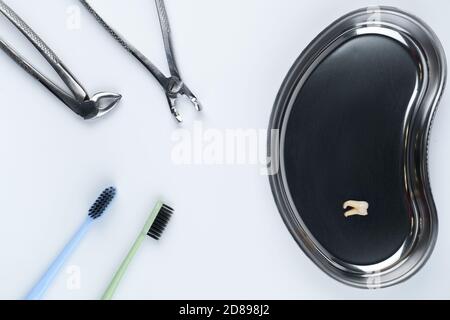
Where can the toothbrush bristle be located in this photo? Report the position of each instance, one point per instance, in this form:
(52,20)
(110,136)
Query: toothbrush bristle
(102,203)
(161,221)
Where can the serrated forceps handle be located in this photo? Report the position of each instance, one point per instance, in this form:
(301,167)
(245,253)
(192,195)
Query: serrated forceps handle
(128,46)
(78,100)
(167,37)
(72,83)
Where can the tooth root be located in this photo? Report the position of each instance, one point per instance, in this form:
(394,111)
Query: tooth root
(358,208)
(355,212)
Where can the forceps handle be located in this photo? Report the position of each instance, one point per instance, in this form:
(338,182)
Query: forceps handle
(29,33)
(71,82)
(129,47)
(167,38)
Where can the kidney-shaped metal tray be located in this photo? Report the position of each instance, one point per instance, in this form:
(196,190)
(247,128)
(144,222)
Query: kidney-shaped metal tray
(351,123)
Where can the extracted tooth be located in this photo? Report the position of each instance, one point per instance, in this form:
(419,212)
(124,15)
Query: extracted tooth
(358,208)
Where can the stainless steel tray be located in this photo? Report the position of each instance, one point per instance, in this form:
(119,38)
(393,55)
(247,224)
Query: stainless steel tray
(351,122)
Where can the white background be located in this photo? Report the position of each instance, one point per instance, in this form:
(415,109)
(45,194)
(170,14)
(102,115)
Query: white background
(227,239)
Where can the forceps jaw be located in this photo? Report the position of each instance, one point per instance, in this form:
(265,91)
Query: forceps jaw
(188,93)
(103,102)
(91,108)
(175,88)
(172,100)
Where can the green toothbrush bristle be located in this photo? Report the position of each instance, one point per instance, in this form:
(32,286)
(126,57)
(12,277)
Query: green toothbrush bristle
(161,221)
(102,202)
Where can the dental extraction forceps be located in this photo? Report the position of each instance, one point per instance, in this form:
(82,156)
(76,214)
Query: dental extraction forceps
(79,102)
(173,85)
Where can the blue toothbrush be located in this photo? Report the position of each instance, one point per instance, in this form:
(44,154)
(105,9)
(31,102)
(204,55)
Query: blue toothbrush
(95,212)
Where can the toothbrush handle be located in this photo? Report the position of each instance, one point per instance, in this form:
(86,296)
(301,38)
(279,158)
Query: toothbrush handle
(39,289)
(109,293)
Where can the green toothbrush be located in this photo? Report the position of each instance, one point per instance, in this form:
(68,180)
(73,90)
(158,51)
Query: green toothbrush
(154,227)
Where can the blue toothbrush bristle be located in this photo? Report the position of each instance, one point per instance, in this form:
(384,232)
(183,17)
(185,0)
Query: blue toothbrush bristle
(102,203)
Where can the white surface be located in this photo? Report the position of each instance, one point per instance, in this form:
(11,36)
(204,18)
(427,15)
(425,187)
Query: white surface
(227,239)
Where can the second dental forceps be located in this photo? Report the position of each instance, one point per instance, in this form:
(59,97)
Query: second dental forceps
(172,85)
(79,101)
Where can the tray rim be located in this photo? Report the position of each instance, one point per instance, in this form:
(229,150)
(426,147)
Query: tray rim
(390,22)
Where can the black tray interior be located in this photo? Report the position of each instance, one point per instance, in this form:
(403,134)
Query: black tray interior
(343,141)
